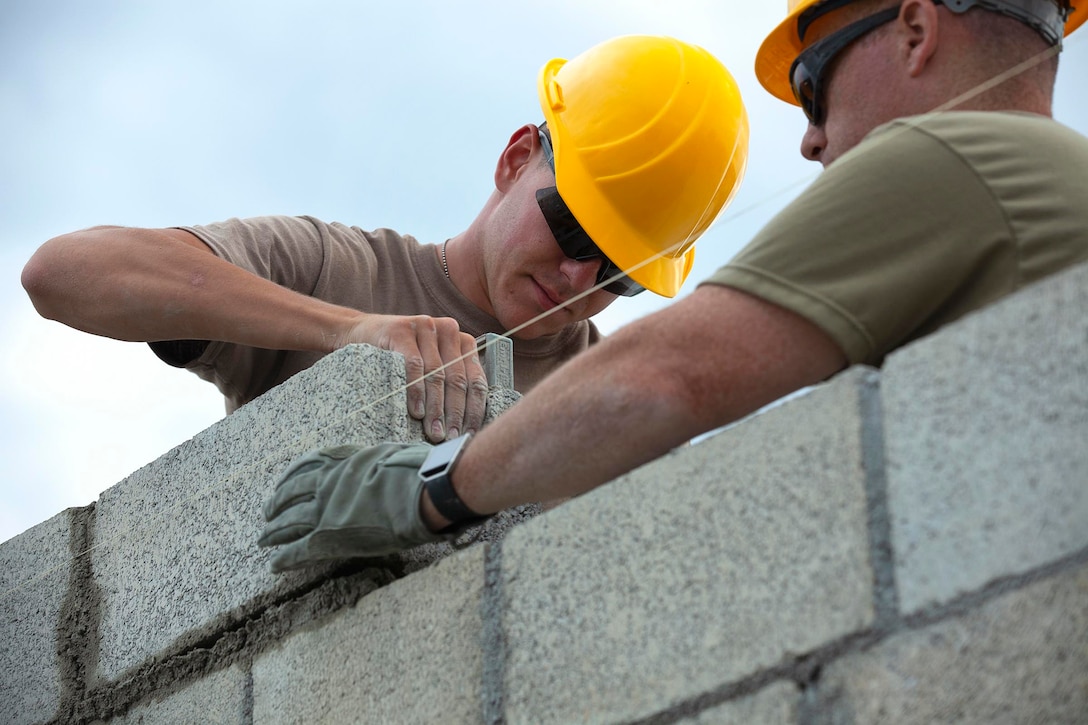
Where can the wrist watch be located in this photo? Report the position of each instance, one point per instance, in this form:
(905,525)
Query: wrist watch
(436,471)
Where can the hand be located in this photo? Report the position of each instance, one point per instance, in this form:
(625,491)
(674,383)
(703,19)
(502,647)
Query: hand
(447,388)
(347,501)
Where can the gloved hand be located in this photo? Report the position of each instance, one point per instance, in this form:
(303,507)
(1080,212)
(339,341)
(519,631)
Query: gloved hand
(347,501)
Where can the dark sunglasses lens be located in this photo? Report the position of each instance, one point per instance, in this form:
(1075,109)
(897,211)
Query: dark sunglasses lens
(806,73)
(623,286)
(568,233)
(577,245)
(804,90)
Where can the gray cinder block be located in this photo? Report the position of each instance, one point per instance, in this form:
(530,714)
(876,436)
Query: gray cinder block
(1020,658)
(735,554)
(176,551)
(986,426)
(410,652)
(35,568)
(176,555)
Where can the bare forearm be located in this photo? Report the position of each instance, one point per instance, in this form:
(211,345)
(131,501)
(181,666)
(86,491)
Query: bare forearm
(623,403)
(707,360)
(576,432)
(146,285)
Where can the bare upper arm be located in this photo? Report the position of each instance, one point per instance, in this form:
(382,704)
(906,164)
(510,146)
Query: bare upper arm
(63,272)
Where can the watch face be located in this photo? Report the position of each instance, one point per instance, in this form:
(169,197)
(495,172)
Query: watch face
(435,473)
(441,457)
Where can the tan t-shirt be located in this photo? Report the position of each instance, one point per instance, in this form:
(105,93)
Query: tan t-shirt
(927,219)
(376,271)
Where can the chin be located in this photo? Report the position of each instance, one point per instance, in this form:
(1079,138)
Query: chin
(540,328)
(531,332)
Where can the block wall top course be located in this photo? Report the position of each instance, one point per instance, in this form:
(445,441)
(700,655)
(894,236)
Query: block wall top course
(741,551)
(176,553)
(649,598)
(986,426)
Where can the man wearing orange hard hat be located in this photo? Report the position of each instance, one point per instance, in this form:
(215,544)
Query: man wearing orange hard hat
(947,185)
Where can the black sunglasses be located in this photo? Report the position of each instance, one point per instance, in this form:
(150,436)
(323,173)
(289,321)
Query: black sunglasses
(573,240)
(807,72)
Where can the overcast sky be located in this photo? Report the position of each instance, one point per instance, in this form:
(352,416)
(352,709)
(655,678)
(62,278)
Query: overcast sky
(372,114)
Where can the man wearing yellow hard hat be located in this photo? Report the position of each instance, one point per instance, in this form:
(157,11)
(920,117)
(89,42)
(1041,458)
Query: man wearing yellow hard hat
(645,142)
(947,185)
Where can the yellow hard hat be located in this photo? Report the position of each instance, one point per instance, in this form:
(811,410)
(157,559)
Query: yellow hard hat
(784,44)
(651,141)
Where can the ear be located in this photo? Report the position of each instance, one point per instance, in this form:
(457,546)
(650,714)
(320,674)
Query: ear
(516,156)
(919,23)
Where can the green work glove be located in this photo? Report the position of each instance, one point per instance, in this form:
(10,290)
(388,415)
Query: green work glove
(347,501)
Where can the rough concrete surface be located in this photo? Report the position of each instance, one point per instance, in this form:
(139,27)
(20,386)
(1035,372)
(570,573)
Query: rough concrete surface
(776,704)
(493,530)
(34,572)
(719,559)
(986,427)
(408,653)
(1020,658)
(220,698)
(498,400)
(176,541)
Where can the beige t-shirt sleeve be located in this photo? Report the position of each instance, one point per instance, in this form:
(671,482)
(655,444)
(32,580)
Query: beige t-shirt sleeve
(878,249)
(289,251)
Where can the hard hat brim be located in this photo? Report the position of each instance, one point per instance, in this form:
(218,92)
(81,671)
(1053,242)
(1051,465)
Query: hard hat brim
(777,53)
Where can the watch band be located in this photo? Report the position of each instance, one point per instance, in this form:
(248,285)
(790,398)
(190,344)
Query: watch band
(436,471)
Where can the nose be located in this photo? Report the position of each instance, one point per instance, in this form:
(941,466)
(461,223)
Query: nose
(813,143)
(582,275)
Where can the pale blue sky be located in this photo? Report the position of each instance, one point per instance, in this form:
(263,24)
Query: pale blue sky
(373,114)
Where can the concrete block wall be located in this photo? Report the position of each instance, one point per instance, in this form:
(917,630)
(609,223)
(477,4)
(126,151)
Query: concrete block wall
(160,580)
(906,545)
